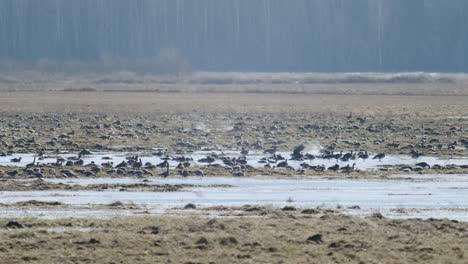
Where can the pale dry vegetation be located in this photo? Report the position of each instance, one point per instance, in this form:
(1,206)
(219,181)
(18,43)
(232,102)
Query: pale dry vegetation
(406,84)
(273,236)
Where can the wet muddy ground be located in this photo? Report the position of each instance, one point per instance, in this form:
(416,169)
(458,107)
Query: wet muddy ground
(425,196)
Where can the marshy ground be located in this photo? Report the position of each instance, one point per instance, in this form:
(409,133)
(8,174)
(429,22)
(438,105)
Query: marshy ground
(265,236)
(53,116)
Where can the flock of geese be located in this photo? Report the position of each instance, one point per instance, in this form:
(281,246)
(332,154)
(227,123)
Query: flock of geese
(236,165)
(134,165)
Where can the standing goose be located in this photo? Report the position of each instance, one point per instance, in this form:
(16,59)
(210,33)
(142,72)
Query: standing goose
(166,173)
(347,156)
(338,156)
(137,164)
(415,154)
(163,164)
(32,164)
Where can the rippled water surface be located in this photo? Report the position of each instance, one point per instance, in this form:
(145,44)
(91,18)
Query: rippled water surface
(444,198)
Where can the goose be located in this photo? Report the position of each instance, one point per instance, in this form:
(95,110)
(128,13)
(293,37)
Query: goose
(297,155)
(423,165)
(180,166)
(107,165)
(182,159)
(282,164)
(326,156)
(166,173)
(84,152)
(242,160)
(244,152)
(320,168)
(231,162)
(338,156)
(278,157)
(163,164)
(348,168)
(379,156)
(415,154)
(16,160)
(67,173)
(137,164)
(336,167)
(363,155)
(96,170)
(32,164)
(60,161)
(199,173)
(271,150)
(12,173)
(347,156)
(298,149)
(166,157)
(75,158)
(184,173)
(208,159)
(123,164)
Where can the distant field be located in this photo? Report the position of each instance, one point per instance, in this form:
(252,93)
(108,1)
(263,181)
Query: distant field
(211,103)
(408,84)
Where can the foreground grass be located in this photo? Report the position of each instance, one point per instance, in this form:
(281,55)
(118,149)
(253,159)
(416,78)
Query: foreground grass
(270,237)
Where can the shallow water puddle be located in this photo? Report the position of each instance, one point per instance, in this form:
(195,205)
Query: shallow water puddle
(51,213)
(252,160)
(437,199)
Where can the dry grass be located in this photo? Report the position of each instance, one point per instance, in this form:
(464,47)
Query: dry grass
(277,237)
(142,102)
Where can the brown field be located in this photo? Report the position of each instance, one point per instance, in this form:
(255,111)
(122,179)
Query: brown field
(231,120)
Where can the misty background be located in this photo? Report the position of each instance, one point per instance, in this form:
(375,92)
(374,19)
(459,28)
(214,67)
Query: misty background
(238,35)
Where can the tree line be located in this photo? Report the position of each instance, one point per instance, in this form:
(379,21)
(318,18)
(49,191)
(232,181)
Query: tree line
(243,35)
